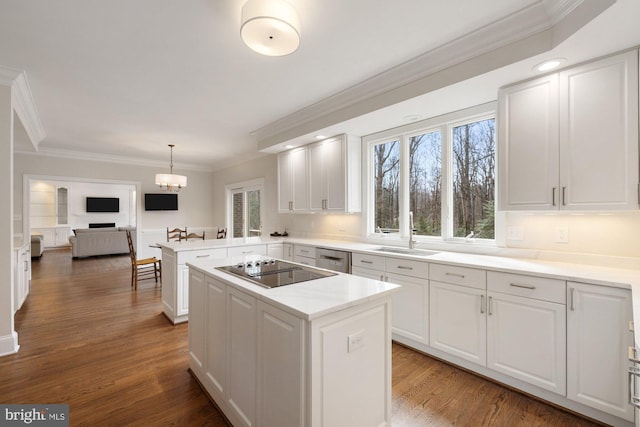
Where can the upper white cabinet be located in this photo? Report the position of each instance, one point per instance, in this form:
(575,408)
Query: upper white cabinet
(323,176)
(292,181)
(570,140)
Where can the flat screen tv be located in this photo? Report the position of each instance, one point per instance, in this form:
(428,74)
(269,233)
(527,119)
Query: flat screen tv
(161,202)
(103,204)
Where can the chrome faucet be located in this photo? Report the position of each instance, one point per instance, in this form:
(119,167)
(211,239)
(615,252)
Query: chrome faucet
(412,243)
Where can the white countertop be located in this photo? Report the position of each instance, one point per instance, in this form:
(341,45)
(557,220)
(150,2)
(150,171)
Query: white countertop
(310,299)
(198,244)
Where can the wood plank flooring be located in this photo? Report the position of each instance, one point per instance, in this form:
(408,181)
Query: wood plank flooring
(87,340)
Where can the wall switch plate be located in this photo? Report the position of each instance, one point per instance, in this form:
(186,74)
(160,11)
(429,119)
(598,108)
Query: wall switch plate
(515,233)
(355,341)
(562,235)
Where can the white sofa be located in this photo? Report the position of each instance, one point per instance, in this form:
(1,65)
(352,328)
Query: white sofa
(100,241)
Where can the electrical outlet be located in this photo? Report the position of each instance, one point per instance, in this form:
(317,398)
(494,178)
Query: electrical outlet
(355,341)
(515,234)
(562,235)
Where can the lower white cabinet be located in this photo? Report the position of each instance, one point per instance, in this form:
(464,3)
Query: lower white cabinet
(457,322)
(598,338)
(287,251)
(265,367)
(175,280)
(526,339)
(275,250)
(21,275)
(411,302)
(303,254)
(54,236)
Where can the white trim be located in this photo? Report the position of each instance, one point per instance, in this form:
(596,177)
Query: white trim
(243,187)
(110,158)
(9,344)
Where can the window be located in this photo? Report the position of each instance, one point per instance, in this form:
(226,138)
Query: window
(245,208)
(442,170)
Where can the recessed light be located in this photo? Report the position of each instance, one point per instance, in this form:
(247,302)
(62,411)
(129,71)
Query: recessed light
(289,146)
(411,118)
(320,137)
(549,65)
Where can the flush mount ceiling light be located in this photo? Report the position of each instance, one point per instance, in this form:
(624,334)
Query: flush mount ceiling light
(169,181)
(549,65)
(270,27)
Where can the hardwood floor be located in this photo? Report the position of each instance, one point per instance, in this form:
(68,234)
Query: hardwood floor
(87,340)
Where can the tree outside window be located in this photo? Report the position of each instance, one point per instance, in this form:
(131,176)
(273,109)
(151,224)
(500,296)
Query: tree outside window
(386,164)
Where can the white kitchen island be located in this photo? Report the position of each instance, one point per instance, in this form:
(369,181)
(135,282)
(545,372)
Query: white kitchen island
(315,353)
(175,274)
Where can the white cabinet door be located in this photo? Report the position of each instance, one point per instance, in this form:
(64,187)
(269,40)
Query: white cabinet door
(368,273)
(241,357)
(598,338)
(528,144)
(526,339)
(275,250)
(287,251)
(62,236)
(335,175)
(292,181)
(280,369)
(317,177)
(197,319)
(599,134)
(182,291)
(216,338)
(410,307)
(457,321)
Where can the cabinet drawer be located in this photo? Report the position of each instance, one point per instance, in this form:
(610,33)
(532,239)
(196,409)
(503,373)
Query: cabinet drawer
(408,267)
(248,250)
(540,288)
(464,276)
(373,262)
(202,254)
(304,251)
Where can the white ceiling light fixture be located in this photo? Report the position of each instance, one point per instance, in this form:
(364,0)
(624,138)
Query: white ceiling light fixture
(169,181)
(270,27)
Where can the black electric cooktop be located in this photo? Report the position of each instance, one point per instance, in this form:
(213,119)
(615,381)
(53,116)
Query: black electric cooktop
(273,273)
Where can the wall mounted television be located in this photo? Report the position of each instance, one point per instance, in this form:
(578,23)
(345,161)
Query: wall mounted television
(103,204)
(160,202)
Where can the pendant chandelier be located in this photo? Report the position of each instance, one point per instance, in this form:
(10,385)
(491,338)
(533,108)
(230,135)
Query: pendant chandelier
(169,181)
(270,27)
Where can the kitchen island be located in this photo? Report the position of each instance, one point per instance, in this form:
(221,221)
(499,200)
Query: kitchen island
(175,274)
(315,353)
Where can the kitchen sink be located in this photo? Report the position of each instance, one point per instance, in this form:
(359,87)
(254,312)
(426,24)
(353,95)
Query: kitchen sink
(406,251)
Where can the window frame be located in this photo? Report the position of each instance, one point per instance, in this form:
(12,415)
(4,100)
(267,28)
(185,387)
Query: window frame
(445,124)
(244,187)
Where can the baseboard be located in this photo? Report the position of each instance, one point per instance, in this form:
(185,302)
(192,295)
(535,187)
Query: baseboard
(9,344)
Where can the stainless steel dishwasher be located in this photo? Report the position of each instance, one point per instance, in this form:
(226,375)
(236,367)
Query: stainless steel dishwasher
(330,259)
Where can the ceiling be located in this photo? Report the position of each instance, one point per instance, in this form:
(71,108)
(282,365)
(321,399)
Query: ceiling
(121,79)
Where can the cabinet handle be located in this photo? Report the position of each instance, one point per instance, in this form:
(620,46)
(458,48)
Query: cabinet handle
(304,251)
(571,307)
(482,302)
(403,267)
(247,252)
(26,265)
(633,354)
(203,256)
(634,400)
(364,261)
(553,196)
(563,196)
(454,275)
(382,277)
(490,306)
(516,285)
(290,206)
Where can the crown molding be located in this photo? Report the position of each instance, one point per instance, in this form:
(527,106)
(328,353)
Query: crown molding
(527,32)
(109,158)
(23,103)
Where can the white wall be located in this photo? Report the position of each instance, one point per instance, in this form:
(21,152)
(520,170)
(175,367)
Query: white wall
(43,203)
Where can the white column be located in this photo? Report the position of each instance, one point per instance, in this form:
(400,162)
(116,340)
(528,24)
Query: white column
(8,336)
